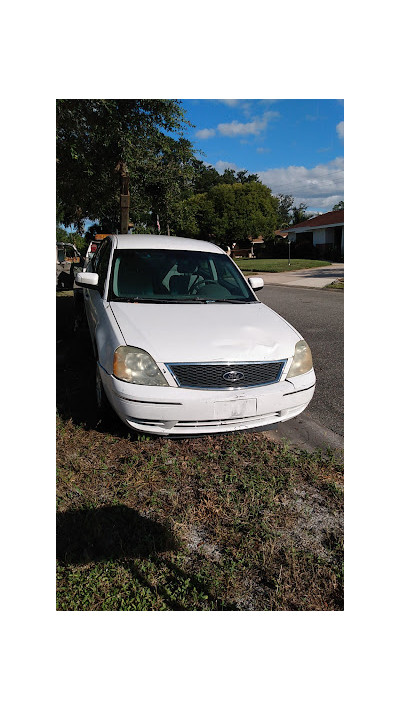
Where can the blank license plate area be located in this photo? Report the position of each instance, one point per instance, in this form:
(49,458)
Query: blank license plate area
(229,409)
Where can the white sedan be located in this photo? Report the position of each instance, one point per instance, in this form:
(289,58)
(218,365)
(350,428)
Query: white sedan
(183,345)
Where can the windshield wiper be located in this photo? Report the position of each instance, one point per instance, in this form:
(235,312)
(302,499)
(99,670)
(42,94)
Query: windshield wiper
(234,301)
(141,300)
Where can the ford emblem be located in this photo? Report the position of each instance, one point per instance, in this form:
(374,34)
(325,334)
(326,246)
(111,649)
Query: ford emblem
(232,376)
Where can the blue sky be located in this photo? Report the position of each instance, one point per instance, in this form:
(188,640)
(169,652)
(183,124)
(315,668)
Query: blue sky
(294,145)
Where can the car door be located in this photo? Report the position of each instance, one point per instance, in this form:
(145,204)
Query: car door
(95,299)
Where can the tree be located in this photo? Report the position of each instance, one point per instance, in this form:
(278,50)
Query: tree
(299,213)
(339,205)
(169,175)
(61,234)
(232,213)
(285,207)
(92,231)
(79,241)
(243,176)
(230,176)
(93,136)
(70,237)
(204,177)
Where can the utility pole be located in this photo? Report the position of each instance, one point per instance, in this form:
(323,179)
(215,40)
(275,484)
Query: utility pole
(122,169)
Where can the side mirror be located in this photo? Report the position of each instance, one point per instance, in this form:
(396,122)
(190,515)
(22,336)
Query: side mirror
(88,279)
(256,283)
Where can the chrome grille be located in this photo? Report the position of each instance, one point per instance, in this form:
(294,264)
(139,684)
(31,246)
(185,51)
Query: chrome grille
(210,376)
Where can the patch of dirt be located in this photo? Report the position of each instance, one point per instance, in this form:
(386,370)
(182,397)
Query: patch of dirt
(312,526)
(252,597)
(197,540)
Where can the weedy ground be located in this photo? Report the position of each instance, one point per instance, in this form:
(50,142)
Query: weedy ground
(230,522)
(338,284)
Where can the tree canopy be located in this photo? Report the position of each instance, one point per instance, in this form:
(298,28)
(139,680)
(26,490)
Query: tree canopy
(166,179)
(299,213)
(230,212)
(94,135)
(285,207)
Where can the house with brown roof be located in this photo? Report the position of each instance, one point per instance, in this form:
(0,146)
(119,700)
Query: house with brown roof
(258,242)
(324,232)
(281,233)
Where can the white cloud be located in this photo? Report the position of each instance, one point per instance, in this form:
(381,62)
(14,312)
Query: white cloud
(221,165)
(340,130)
(321,204)
(230,102)
(246,107)
(205,133)
(319,187)
(254,127)
(243,105)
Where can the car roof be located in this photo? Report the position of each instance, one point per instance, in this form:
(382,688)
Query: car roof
(164,242)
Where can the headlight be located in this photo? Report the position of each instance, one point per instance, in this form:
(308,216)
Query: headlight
(136,366)
(302,360)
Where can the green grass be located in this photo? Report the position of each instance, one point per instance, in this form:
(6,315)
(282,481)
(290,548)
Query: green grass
(222,523)
(338,284)
(278,265)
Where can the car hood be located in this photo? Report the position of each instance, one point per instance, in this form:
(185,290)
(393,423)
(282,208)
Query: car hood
(206,332)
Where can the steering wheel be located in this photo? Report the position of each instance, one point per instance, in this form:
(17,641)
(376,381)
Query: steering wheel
(203,283)
(195,283)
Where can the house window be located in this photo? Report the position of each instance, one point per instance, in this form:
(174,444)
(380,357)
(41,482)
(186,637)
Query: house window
(304,238)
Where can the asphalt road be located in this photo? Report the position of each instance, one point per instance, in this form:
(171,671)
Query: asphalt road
(318,315)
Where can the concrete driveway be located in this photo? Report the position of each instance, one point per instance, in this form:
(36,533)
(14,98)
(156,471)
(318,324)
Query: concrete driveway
(315,277)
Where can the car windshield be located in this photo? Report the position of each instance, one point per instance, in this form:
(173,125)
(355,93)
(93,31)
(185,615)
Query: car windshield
(176,276)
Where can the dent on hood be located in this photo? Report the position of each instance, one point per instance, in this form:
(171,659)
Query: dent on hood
(249,346)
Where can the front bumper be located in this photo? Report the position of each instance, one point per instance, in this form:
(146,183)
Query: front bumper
(183,411)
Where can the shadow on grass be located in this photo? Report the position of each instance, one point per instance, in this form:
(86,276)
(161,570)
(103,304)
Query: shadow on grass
(120,534)
(109,532)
